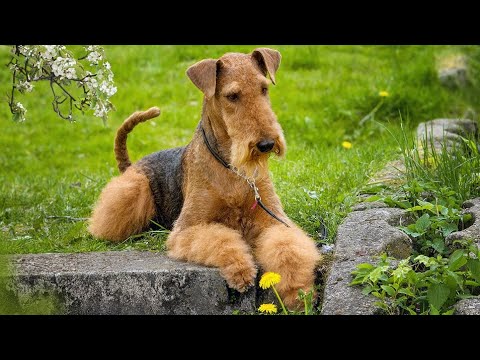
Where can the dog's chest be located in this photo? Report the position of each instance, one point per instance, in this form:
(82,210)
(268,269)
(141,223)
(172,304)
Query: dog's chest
(238,207)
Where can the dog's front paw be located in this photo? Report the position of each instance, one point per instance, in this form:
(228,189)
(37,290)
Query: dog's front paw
(240,275)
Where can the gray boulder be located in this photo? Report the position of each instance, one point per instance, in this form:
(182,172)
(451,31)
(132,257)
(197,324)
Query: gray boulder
(448,131)
(468,306)
(124,282)
(362,235)
(472,232)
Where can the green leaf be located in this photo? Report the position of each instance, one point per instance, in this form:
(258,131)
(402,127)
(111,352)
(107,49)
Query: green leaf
(406,291)
(377,274)
(437,294)
(448,229)
(381,305)
(425,206)
(423,223)
(425,260)
(409,232)
(403,204)
(465,296)
(457,260)
(388,289)
(457,278)
(471,283)
(410,311)
(474,267)
(365,266)
(444,210)
(367,289)
(357,281)
(373,198)
(434,310)
(451,281)
(449,312)
(401,272)
(438,245)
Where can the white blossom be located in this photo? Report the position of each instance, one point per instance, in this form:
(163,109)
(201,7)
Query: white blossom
(26,50)
(19,112)
(64,68)
(50,52)
(100,110)
(24,87)
(55,63)
(91,83)
(91,48)
(20,107)
(14,67)
(70,73)
(107,88)
(94,57)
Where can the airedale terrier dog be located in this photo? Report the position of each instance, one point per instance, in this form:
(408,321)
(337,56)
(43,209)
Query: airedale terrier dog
(215,193)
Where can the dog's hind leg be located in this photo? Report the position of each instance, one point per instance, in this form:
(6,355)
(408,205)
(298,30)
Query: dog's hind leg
(124,207)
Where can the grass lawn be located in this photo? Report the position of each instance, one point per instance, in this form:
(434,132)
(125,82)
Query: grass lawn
(52,168)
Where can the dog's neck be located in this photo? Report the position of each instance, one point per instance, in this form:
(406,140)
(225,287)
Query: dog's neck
(216,133)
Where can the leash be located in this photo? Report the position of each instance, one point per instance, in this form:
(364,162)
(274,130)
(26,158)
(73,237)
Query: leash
(250,181)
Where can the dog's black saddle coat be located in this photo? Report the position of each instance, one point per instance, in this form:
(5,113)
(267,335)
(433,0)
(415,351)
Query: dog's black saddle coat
(164,172)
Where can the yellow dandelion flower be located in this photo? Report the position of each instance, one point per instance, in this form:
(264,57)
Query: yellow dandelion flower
(268,308)
(268,279)
(347,144)
(383,93)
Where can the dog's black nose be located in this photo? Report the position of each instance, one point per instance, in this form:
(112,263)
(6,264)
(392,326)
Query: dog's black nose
(265,145)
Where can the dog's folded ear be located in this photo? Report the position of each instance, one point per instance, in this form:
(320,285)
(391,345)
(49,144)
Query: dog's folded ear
(268,60)
(204,75)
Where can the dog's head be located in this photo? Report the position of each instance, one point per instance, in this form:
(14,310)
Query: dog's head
(238,105)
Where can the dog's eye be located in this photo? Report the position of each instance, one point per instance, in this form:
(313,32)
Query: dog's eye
(264,90)
(233,97)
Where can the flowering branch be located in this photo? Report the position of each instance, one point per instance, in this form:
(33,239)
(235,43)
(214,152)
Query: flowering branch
(72,85)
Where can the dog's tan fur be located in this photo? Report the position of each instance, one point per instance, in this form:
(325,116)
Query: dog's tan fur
(216,226)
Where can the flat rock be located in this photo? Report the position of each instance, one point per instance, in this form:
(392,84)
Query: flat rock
(468,306)
(453,71)
(363,235)
(125,282)
(340,298)
(472,232)
(371,232)
(369,205)
(448,131)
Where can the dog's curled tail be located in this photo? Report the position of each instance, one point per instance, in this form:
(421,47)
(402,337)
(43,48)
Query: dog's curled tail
(121,152)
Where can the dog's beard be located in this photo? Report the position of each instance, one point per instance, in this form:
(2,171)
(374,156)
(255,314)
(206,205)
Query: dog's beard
(250,161)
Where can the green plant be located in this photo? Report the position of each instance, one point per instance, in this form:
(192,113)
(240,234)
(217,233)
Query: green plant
(422,284)
(436,213)
(440,272)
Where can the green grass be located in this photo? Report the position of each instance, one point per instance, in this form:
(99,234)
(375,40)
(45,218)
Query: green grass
(54,168)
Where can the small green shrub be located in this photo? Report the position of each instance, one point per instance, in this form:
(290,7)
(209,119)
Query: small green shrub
(440,272)
(421,284)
